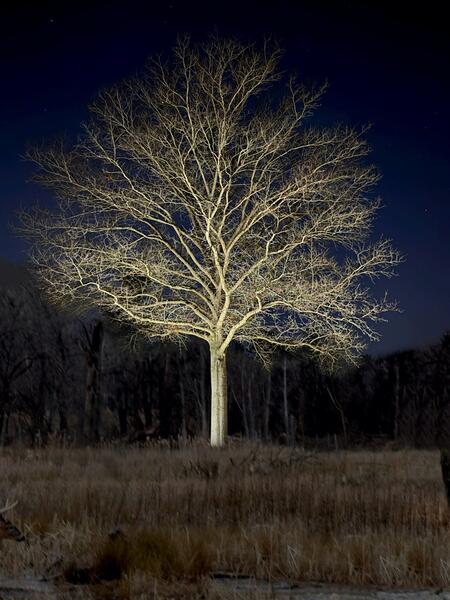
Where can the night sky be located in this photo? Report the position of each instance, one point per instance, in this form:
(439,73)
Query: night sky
(386,66)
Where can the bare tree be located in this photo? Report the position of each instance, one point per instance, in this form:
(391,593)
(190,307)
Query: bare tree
(198,203)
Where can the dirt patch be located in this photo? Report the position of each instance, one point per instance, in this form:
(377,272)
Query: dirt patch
(242,587)
(36,589)
(228,588)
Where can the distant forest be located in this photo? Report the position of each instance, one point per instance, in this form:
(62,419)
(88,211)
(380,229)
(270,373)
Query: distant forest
(67,380)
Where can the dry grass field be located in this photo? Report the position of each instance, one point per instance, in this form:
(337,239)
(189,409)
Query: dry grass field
(159,519)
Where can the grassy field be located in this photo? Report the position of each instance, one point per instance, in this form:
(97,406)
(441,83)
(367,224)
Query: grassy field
(155,518)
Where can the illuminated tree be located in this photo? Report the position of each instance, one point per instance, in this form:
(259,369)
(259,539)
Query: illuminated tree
(198,203)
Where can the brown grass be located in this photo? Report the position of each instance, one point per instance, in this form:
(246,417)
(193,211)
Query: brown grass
(349,517)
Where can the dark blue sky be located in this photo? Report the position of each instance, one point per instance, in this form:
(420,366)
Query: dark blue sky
(386,66)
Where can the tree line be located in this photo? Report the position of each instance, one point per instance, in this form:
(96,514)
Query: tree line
(71,380)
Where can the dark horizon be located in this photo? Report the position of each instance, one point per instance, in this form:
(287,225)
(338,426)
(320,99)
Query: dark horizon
(385,66)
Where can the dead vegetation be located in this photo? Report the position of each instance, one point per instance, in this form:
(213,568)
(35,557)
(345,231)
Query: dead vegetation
(130,515)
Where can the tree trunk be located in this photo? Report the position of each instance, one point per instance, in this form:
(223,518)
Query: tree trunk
(203,398)
(181,370)
(2,423)
(219,407)
(93,391)
(251,411)
(267,402)
(285,402)
(122,411)
(242,403)
(445,470)
(396,401)
(165,397)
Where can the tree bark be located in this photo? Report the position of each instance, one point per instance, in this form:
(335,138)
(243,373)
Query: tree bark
(219,406)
